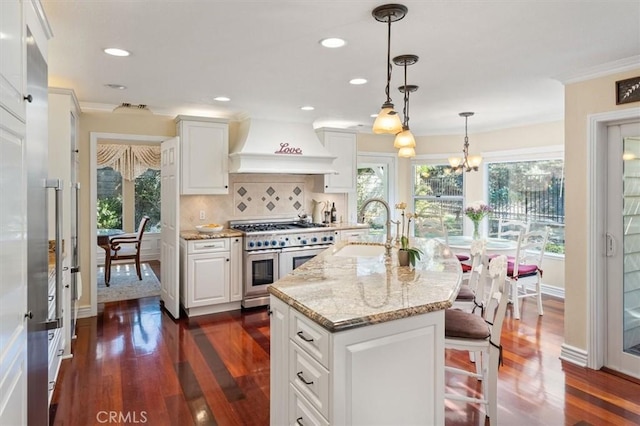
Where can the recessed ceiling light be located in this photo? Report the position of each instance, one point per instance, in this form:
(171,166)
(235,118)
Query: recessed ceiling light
(307,108)
(115,86)
(221,99)
(332,42)
(113,51)
(358,81)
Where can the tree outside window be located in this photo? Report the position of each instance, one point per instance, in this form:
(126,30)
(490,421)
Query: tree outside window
(438,192)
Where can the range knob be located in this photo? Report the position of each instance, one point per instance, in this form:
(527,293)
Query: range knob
(274,243)
(266,243)
(252,244)
(330,237)
(324,238)
(304,242)
(314,240)
(258,243)
(282,243)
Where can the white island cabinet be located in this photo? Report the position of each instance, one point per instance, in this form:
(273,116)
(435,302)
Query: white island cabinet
(356,339)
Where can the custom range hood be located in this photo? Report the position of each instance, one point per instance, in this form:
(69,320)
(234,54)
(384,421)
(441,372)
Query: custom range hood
(265,146)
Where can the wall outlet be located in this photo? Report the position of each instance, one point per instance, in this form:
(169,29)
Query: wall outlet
(202,216)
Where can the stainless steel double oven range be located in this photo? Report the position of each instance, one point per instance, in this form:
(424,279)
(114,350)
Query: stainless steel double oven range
(273,248)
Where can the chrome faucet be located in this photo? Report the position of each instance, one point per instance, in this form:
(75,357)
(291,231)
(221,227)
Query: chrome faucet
(388,223)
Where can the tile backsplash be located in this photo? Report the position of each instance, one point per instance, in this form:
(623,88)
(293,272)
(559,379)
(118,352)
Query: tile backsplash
(254,196)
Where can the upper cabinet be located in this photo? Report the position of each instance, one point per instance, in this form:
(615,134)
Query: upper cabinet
(204,153)
(342,144)
(11,62)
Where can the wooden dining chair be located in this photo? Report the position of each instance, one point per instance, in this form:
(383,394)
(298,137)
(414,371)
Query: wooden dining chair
(125,247)
(480,335)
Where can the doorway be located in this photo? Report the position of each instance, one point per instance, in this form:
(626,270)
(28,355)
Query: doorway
(622,251)
(94,139)
(606,240)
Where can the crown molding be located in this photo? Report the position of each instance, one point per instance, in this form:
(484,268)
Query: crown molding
(614,67)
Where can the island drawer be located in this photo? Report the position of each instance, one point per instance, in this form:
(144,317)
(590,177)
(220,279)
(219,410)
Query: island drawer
(310,336)
(208,246)
(301,412)
(310,378)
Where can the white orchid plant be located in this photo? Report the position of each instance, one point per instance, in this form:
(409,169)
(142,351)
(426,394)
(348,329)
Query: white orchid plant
(414,253)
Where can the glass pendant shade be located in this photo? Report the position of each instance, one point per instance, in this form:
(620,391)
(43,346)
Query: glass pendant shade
(406,152)
(474,161)
(455,162)
(388,121)
(404,139)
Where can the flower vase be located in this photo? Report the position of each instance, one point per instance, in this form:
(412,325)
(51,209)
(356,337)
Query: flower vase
(476,229)
(403,257)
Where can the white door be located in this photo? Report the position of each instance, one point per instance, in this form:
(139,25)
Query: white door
(13,266)
(170,219)
(623,249)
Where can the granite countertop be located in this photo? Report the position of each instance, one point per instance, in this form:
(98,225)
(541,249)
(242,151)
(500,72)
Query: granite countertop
(342,293)
(195,235)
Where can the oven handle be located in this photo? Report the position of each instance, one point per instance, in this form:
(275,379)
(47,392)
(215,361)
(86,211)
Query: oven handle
(305,248)
(249,252)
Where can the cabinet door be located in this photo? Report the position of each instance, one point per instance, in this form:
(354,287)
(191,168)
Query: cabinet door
(11,63)
(235,288)
(279,386)
(205,157)
(208,281)
(343,146)
(353,234)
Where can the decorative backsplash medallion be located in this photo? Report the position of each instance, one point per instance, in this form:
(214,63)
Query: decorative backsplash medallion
(268,198)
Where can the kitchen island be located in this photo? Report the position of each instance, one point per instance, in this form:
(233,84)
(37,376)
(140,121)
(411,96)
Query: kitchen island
(357,339)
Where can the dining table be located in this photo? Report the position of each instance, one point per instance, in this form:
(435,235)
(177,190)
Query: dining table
(494,246)
(103,237)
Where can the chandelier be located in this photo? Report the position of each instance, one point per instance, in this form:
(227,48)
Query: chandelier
(388,120)
(405,141)
(467,162)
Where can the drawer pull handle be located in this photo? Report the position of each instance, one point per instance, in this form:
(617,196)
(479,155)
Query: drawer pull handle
(211,246)
(299,421)
(51,336)
(302,336)
(51,298)
(301,377)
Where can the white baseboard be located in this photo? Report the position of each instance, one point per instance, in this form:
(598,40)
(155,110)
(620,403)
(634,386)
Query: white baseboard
(573,355)
(84,312)
(552,290)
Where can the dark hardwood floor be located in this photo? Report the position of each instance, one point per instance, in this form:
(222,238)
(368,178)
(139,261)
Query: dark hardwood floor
(134,364)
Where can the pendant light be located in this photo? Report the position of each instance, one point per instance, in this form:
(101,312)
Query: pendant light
(404,140)
(467,162)
(388,120)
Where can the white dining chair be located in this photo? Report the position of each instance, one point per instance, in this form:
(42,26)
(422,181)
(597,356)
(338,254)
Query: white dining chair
(510,229)
(471,294)
(434,227)
(481,335)
(524,272)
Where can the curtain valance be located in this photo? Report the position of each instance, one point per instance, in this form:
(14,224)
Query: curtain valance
(130,160)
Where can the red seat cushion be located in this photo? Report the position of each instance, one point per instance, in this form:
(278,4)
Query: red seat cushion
(523,270)
(465,267)
(462,257)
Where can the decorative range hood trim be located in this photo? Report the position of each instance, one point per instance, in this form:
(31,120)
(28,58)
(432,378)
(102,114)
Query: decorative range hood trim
(259,140)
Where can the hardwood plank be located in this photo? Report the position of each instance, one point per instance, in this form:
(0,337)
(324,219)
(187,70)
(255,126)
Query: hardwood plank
(214,369)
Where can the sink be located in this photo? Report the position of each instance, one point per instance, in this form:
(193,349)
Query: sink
(360,250)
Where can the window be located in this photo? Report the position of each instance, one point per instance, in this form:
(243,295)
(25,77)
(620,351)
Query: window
(375,179)
(531,191)
(144,199)
(438,192)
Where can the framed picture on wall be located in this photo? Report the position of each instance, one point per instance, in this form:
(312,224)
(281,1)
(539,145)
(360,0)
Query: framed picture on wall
(628,90)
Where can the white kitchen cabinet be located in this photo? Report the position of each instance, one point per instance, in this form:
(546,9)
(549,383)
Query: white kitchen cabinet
(342,144)
(207,273)
(63,164)
(11,57)
(351,234)
(55,336)
(235,293)
(359,375)
(204,155)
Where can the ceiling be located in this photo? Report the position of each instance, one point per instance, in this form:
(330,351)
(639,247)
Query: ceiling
(505,61)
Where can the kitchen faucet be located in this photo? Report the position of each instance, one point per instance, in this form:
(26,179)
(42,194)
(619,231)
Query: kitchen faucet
(388,223)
